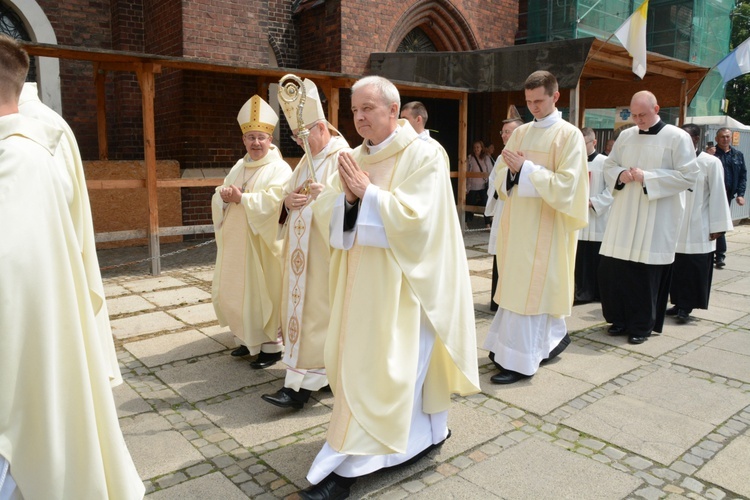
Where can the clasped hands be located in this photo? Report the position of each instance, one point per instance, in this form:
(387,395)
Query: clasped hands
(633,174)
(230,194)
(354,180)
(514,159)
(297,200)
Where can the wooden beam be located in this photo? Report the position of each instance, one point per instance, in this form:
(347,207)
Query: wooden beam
(334,102)
(146,80)
(100,78)
(463,128)
(573,105)
(683,102)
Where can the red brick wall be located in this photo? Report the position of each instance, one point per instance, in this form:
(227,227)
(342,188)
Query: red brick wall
(323,25)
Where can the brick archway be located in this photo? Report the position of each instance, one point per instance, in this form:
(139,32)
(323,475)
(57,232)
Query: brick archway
(441,22)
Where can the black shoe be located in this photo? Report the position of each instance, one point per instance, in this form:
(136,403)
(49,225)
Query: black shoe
(265,359)
(288,398)
(672,311)
(720,263)
(682,316)
(637,340)
(508,377)
(616,329)
(241,351)
(564,343)
(333,487)
(325,388)
(416,458)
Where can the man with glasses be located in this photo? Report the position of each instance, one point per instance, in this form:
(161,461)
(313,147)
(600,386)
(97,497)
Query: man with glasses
(245,209)
(305,305)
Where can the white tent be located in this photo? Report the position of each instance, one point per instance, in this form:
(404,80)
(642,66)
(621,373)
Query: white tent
(717,121)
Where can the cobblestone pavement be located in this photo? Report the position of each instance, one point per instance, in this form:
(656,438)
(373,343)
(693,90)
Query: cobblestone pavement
(669,418)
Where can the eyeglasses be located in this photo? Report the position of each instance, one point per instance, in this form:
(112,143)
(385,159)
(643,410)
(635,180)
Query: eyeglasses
(255,138)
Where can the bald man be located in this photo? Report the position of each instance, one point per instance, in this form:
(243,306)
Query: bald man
(649,168)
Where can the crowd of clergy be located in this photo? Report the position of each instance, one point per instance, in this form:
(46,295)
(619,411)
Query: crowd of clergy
(349,268)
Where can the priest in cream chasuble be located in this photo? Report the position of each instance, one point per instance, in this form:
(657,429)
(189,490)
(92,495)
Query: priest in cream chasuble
(542,177)
(245,210)
(398,344)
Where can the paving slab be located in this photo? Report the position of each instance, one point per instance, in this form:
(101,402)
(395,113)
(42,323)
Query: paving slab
(128,304)
(143,324)
(480,284)
(252,421)
(541,470)
(730,469)
(128,402)
(178,296)
(737,261)
(221,334)
(173,347)
(469,427)
(733,301)
(482,327)
(737,342)
(454,487)
(214,485)
(195,315)
(654,346)
(589,365)
(204,275)
(726,363)
(148,436)
(718,314)
(481,264)
(293,461)
(691,396)
(470,254)
(539,394)
(643,428)
(151,284)
(740,286)
(212,377)
(584,316)
(113,290)
(687,332)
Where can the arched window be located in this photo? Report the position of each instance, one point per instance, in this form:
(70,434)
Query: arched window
(416,41)
(12,25)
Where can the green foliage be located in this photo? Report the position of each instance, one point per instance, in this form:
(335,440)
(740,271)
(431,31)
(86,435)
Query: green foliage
(738,90)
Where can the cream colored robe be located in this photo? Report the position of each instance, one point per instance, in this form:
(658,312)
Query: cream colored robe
(643,227)
(247,279)
(305,324)
(537,240)
(58,421)
(70,164)
(706,210)
(378,295)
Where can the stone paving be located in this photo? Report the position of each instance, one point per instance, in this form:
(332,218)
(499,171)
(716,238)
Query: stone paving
(669,418)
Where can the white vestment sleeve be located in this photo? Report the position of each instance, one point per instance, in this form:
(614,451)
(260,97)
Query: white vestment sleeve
(370,229)
(343,240)
(719,215)
(525,187)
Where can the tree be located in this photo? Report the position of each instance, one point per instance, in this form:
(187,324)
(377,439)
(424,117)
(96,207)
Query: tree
(738,90)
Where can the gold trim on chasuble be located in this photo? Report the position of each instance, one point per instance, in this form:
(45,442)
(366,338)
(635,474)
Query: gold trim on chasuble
(381,175)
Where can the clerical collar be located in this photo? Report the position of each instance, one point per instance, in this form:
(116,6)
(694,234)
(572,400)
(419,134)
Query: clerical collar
(655,128)
(548,120)
(424,135)
(372,149)
(592,156)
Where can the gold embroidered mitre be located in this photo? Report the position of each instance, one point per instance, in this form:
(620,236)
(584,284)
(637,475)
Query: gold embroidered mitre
(257,115)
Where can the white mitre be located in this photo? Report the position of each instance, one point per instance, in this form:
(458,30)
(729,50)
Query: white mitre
(257,115)
(312,110)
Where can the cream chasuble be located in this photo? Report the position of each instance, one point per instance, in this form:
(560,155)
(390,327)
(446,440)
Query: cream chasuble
(706,210)
(58,421)
(643,226)
(379,296)
(71,167)
(536,243)
(304,305)
(247,279)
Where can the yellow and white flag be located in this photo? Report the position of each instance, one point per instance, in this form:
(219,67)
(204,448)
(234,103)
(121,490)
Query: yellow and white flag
(632,35)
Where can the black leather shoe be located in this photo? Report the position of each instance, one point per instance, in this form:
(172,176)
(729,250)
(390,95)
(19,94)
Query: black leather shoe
(672,311)
(265,359)
(507,377)
(637,340)
(328,489)
(241,351)
(287,398)
(720,263)
(616,329)
(682,316)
